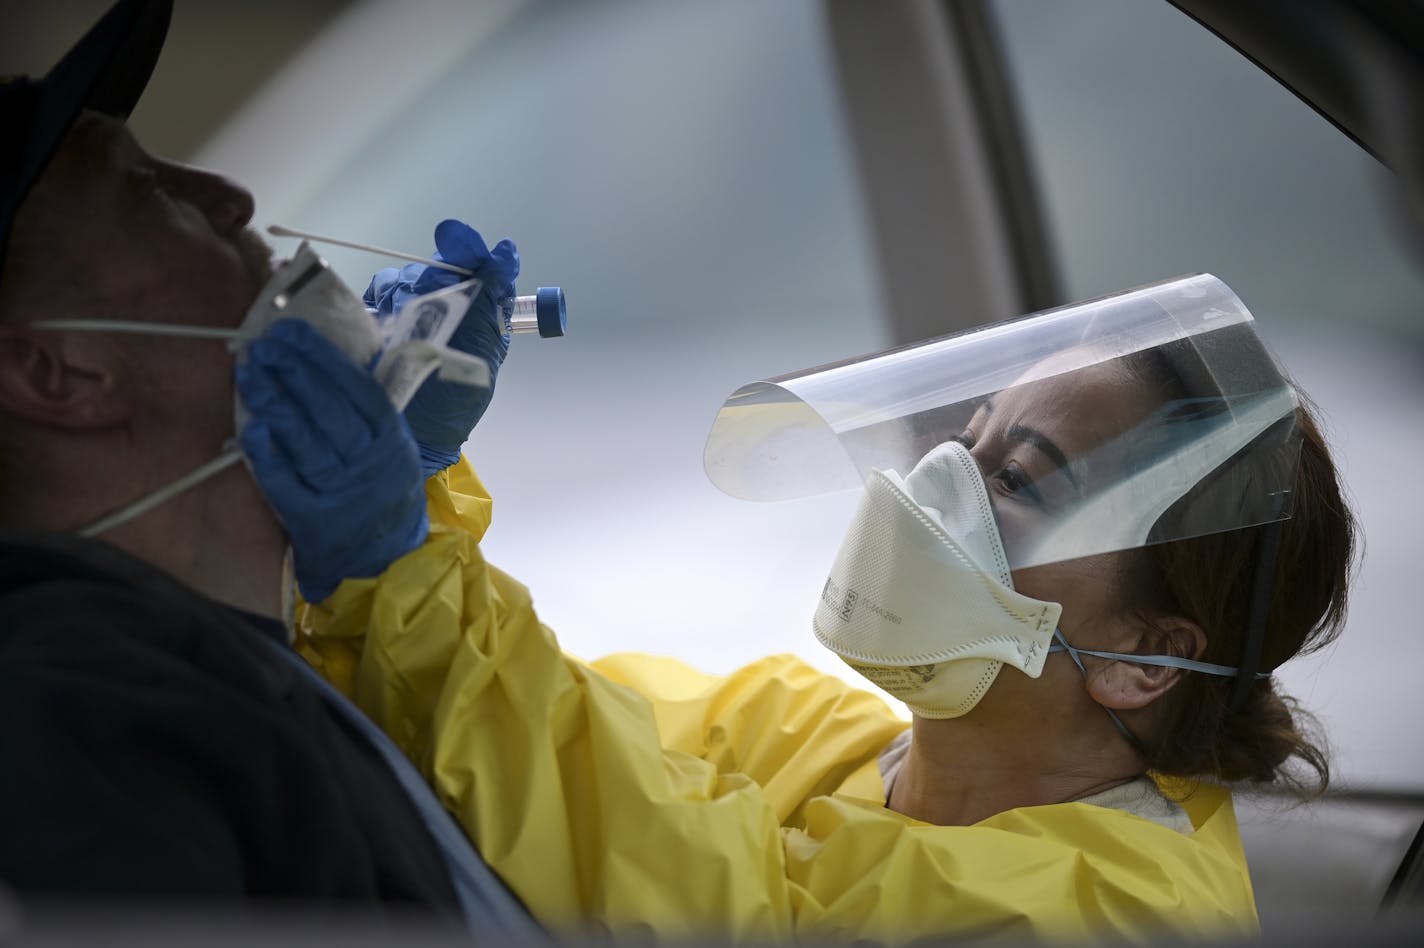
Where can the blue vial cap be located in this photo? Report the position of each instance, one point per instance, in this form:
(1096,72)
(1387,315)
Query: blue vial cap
(551,311)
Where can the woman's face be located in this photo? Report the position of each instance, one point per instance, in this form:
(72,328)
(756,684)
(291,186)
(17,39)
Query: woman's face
(1044,444)
(1041,445)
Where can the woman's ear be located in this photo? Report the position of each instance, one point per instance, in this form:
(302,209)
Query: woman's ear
(40,384)
(1126,686)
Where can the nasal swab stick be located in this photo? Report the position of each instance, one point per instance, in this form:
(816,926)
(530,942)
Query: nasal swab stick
(277,230)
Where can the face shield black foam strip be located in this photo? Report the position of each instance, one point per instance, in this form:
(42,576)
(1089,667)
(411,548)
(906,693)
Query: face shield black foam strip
(1260,611)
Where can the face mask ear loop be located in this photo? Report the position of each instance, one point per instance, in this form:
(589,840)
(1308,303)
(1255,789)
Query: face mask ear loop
(235,339)
(1260,611)
(138,328)
(164,493)
(1168,661)
(1063,646)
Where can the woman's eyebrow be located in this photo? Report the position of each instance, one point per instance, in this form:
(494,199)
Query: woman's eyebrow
(1026,435)
(982,412)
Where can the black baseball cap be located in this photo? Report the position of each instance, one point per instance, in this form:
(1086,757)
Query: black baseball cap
(105,71)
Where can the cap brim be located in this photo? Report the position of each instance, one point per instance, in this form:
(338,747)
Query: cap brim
(106,71)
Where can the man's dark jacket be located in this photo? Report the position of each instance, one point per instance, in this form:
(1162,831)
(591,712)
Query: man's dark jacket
(151,744)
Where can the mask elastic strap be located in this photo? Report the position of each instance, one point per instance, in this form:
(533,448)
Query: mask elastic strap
(289,597)
(1063,646)
(230,336)
(1165,661)
(144,504)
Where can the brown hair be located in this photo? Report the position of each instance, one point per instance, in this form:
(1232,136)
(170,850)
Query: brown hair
(1209,580)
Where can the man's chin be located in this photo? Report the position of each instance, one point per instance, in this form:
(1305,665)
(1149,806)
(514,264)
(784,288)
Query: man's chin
(256,255)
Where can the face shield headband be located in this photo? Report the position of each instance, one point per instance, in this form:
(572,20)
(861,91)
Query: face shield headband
(1152,415)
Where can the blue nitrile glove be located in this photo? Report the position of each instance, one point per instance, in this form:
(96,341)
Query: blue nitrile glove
(335,460)
(442,414)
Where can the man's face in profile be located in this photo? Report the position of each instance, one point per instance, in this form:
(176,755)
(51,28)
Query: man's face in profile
(130,229)
(111,232)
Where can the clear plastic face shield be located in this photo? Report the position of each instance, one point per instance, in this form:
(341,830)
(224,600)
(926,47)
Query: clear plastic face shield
(1151,415)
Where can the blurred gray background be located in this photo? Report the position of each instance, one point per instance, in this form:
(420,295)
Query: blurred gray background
(685,171)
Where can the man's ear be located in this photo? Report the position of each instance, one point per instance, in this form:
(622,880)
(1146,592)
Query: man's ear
(39,384)
(1125,686)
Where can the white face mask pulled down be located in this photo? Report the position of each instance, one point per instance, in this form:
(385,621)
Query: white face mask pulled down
(920,600)
(407,348)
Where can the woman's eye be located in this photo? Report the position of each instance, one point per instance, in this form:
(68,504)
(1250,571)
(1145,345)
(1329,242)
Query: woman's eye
(1013,480)
(965,438)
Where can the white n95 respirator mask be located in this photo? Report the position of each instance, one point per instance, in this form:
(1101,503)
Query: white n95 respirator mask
(920,600)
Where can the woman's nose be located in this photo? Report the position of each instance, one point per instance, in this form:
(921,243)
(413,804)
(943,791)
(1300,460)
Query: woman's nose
(980,453)
(228,205)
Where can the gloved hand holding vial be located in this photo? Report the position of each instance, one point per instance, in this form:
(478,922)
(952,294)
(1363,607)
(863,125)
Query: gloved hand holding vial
(445,410)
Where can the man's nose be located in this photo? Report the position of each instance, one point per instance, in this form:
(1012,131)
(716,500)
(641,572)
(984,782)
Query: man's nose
(228,205)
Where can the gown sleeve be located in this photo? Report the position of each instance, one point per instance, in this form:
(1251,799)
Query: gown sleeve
(556,771)
(329,634)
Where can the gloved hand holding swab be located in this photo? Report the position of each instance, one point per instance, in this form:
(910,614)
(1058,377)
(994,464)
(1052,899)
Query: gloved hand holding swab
(545,312)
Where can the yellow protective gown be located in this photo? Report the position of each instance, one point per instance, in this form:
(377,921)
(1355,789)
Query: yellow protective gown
(639,796)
